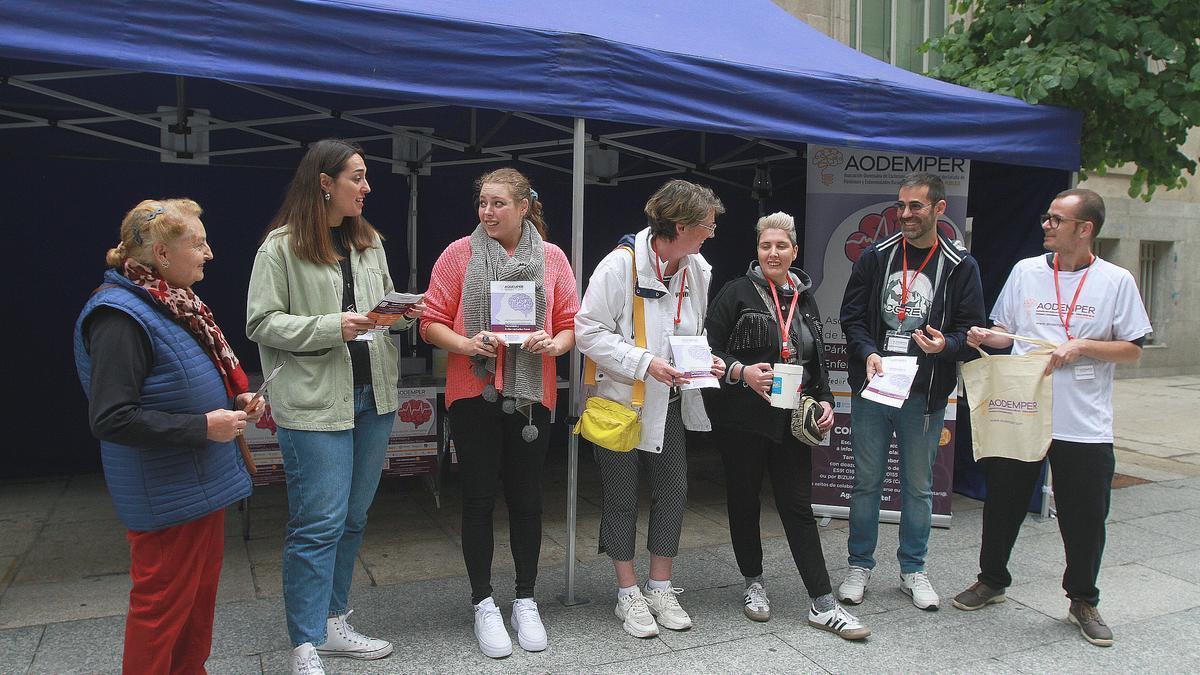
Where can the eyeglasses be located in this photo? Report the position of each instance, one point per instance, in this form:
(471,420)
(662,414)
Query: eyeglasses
(915,207)
(1056,220)
(711,227)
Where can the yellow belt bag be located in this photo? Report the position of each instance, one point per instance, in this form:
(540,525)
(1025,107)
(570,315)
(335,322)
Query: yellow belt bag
(607,423)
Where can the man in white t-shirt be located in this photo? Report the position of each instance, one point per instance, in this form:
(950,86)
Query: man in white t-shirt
(1092,309)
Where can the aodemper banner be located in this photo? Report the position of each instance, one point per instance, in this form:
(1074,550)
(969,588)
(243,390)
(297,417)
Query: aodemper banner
(849,207)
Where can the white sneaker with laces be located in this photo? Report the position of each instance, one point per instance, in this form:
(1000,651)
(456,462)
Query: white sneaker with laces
(854,587)
(528,623)
(916,584)
(756,605)
(342,640)
(665,607)
(839,622)
(306,661)
(489,630)
(633,610)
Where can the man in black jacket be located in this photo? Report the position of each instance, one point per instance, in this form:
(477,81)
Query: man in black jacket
(915,293)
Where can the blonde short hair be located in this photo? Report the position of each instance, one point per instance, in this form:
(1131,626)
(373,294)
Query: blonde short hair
(152,221)
(777,221)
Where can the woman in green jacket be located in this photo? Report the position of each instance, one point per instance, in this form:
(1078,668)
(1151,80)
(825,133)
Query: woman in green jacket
(320,267)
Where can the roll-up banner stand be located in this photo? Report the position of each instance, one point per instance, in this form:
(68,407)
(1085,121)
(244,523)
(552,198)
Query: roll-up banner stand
(849,208)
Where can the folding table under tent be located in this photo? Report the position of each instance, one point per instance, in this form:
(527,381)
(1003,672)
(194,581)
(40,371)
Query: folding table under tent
(746,77)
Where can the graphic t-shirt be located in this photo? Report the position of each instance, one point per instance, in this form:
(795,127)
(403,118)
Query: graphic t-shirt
(1109,308)
(920,292)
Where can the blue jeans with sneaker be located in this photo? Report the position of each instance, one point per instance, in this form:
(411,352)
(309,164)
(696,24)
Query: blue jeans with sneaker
(331,481)
(917,436)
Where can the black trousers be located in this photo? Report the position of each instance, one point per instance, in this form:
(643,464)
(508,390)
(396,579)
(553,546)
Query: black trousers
(1082,476)
(746,457)
(490,447)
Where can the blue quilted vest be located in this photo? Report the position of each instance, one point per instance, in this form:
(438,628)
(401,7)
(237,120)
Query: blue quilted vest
(155,488)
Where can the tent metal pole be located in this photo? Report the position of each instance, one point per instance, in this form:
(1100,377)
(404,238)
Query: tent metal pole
(577,179)
(412,246)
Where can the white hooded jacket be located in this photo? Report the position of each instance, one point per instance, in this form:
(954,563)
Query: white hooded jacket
(604,329)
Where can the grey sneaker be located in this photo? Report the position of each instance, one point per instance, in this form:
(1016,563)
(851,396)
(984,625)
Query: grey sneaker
(852,589)
(978,596)
(756,607)
(1091,624)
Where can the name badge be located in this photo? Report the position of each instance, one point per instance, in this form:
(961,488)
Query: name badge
(897,342)
(1085,372)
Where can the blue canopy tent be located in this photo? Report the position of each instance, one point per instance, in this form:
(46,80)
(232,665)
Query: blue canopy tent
(746,70)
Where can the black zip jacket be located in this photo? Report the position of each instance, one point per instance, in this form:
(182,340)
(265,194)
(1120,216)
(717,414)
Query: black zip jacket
(736,406)
(957,305)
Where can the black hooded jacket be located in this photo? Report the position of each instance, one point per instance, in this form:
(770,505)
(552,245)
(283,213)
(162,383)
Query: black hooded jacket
(734,333)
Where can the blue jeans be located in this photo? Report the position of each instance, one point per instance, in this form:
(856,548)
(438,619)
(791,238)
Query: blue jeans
(917,436)
(331,481)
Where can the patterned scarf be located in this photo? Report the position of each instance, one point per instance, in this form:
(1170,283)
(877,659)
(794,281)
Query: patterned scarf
(520,375)
(196,317)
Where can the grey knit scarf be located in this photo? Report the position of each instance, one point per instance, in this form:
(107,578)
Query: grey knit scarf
(490,262)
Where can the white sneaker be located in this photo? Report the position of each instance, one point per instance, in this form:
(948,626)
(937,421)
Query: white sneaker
(306,661)
(839,622)
(489,630)
(916,584)
(666,609)
(756,605)
(633,610)
(855,586)
(528,624)
(342,640)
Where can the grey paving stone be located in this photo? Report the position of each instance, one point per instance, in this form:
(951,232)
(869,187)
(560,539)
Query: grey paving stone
(248,628)
(237,581)
(85,499)
(1128,594)
(927,641)
(992,666)
(30,496)
(1139,501)
(1182,525)
(761,654)
(32,604)
(87,646)
(1164,644)
(73,550)
(18,531)
(17,648)
(237,665)
(1179,565)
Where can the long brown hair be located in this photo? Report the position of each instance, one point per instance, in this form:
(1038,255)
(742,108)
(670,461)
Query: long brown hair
(304,212)
(519,187)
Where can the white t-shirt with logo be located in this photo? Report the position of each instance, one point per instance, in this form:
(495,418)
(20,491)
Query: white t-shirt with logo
(1109,308)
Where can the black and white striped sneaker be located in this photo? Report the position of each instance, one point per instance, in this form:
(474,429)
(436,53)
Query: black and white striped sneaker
(839,622)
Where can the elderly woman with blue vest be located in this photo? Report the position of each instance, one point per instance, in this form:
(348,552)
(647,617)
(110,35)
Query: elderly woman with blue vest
(167,398)
(667,270)
(320,268)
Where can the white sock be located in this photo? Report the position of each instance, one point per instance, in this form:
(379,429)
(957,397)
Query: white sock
(626,590)
(658,585)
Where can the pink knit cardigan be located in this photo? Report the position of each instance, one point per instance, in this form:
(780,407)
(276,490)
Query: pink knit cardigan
(443,304)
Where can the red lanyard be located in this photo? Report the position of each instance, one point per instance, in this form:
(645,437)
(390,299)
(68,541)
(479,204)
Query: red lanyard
(784,326)
(1066,322)
(682,283)
(905,282)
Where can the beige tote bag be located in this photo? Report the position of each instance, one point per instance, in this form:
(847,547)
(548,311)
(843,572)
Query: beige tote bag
(1011,403)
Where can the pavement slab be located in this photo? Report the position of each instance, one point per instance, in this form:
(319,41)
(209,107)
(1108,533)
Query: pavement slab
(18,647)
(44,603)
(761,654)
(89,646)
(1128,594)
(1180,565)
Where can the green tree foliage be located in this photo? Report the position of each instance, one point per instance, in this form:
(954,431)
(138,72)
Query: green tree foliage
(1132,67)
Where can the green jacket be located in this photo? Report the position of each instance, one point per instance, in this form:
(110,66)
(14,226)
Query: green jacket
(293,312)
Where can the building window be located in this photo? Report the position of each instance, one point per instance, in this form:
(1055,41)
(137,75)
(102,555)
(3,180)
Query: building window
(1152,284)
(892,30)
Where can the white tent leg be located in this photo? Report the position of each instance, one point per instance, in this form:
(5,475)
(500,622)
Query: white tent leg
(577,175)
(412,247)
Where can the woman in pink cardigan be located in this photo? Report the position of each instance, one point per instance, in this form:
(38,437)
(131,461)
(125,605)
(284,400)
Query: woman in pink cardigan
(500,396)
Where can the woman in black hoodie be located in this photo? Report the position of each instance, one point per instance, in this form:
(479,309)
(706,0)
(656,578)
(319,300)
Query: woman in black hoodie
(743,328)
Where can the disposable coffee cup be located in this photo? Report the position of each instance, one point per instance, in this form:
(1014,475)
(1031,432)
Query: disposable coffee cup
(786,384)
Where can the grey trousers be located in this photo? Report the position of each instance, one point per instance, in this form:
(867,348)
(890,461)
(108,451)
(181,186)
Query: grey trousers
(667,473)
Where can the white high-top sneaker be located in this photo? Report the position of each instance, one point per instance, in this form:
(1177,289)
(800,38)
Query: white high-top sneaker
(342,640)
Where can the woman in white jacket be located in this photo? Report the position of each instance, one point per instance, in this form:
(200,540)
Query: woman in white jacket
(673,278)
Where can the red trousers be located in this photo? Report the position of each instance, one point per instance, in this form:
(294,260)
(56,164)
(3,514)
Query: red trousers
(175,573)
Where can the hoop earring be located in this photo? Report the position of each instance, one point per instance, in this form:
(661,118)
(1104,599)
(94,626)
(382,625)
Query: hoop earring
(326,196)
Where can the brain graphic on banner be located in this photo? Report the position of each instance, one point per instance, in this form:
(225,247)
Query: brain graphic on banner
(849,208)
